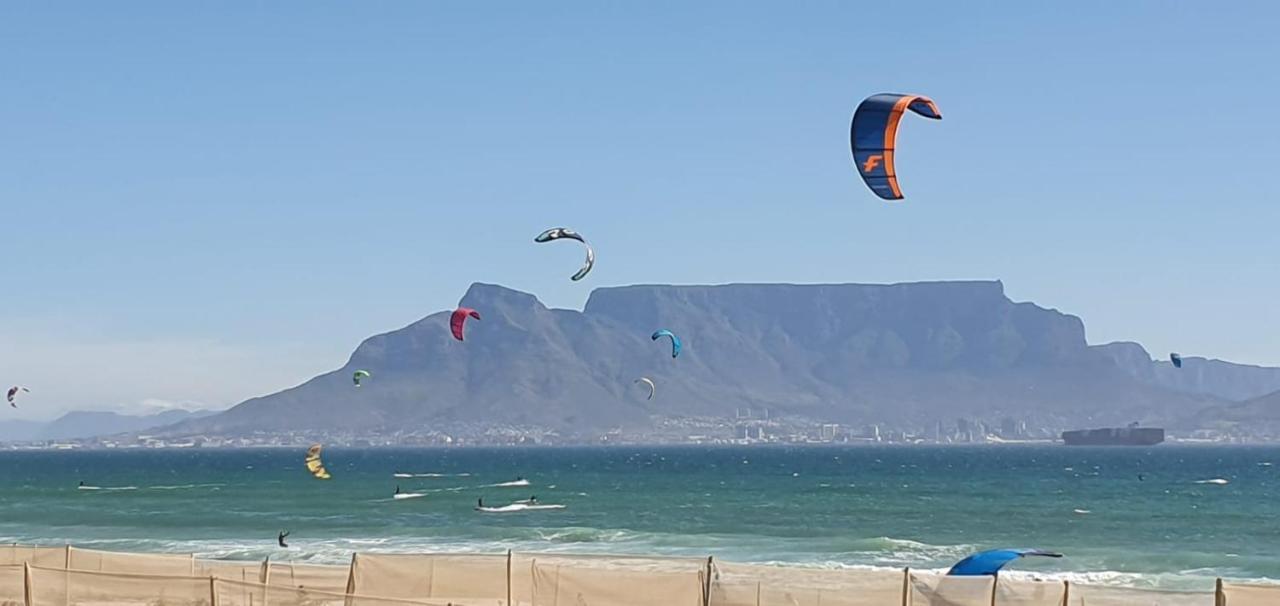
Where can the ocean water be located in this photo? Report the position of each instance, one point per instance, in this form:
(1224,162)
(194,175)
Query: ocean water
(1151,520)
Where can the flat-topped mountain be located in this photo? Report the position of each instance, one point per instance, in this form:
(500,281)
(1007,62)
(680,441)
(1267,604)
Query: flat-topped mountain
(850,353)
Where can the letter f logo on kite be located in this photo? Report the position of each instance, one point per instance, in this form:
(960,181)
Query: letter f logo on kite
(872,162)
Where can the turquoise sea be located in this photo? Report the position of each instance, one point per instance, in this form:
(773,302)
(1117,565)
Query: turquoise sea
(1151,521)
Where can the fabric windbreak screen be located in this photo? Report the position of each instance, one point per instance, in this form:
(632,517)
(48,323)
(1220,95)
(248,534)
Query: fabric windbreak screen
(104,578)
(12,584)
(134,563)
(247,572)
(557,585)
(523,571)
(44,557)
(88,588)
(750,585)
(935,589)
(332,579)
(241,593)
(458,579)
(1097,595)
(233,593)
(1018,592)
(1237,594)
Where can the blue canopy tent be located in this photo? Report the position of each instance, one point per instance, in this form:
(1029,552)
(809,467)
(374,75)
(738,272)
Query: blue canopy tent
(990,562)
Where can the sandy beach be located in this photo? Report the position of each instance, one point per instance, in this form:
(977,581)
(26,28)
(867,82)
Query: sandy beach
(68,575)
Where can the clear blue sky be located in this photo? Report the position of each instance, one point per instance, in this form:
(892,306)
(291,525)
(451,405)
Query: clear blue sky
(207,202)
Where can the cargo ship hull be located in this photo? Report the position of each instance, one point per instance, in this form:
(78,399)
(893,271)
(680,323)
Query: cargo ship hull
(1114,436)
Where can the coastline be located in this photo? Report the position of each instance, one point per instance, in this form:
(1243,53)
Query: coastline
(826,507)
(520,577)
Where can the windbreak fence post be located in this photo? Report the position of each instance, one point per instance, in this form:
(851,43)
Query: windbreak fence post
(508,577)
(706,584)
(1219,595)
(1066,593)
(26,583)
(906,586)
(66,579)
(351,580)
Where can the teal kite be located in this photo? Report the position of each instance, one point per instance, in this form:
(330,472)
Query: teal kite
(676,346)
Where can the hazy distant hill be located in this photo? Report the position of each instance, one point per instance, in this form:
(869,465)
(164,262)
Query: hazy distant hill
(87,424)
(1199,376)
(1257,414)
(849,353)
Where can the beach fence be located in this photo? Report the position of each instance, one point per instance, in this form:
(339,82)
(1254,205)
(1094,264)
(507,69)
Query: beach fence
(69,576)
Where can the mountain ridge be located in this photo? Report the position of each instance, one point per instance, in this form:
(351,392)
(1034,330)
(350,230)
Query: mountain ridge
(1219,378)
(79,424)
(910,353)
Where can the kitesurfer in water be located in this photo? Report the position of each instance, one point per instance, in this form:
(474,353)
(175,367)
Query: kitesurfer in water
(281,537)
(480,503)
(397,489)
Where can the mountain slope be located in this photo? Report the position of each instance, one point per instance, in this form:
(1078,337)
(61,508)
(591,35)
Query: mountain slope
(1261,414)
(88,424)
(1216,378)
(908,353)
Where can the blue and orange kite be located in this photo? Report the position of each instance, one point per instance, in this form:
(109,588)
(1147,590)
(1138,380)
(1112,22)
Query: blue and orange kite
(873,133)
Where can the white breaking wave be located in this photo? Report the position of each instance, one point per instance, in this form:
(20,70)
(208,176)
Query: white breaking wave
(185,486)
(514,507)
(402,474)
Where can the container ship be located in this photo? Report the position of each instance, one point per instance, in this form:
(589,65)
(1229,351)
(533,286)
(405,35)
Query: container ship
(1114,436)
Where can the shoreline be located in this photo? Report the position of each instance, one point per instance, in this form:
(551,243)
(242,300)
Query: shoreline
(1171,582)
(813,508)
(613,578)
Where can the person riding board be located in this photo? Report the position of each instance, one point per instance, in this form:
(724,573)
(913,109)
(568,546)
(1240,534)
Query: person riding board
(281,537)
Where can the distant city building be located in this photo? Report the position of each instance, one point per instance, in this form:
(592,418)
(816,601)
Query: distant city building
(744,431)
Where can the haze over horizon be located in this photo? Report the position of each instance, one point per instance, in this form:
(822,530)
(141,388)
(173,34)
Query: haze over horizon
(209,204)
